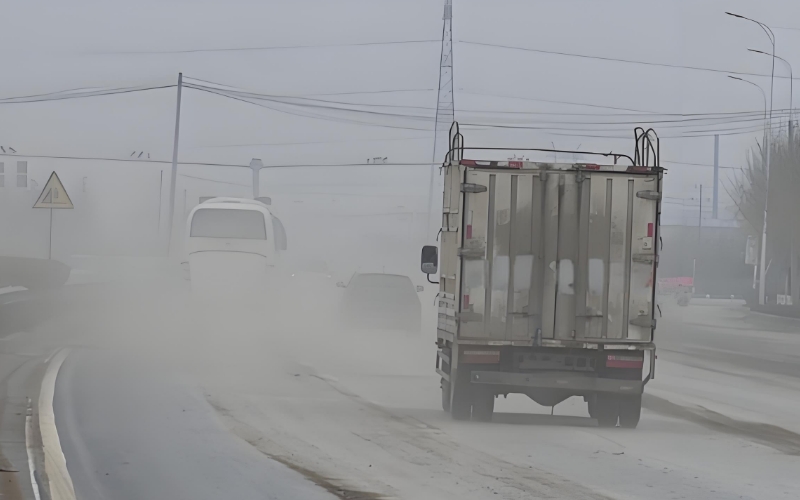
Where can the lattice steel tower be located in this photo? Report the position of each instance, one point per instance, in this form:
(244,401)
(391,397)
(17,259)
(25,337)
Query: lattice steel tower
(445,114)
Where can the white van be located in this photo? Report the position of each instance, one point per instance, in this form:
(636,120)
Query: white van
(233,246)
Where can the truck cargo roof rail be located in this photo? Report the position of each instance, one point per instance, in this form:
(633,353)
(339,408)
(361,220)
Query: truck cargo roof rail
(646,154)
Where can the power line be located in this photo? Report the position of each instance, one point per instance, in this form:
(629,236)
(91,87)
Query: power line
(717,120)
(685,121)
(572,103)
(688,133)
(628,137)
(210,164)
(321,117)
(314,103)
(355,92)
(698,164)
(273,47)
(616,59)
(307,165)
(755,115)
(56,96)
(664,124)
(313,142)
(635,112)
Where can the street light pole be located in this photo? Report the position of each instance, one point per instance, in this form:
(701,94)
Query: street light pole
(762,283)
(791,91)
(762,270)
(763,94)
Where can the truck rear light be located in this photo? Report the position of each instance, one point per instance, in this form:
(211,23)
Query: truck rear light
(469,231)
(480,357)
(466,300)
(649,229)
(617,361)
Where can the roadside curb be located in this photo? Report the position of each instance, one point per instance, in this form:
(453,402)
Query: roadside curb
(55,463)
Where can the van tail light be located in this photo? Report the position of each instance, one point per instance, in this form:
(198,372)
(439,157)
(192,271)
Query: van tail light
(617,361)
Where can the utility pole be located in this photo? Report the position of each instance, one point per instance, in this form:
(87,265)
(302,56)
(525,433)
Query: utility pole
(700,214)
(715,206)
(445,114)
(174,176)
(160,199)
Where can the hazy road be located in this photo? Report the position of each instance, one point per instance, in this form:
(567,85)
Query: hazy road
(180,403)
(132,429)
(730,335)
(376,421)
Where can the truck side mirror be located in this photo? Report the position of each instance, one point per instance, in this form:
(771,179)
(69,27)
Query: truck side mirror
(430,259)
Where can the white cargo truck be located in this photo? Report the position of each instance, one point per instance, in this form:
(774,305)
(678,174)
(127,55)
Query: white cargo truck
(546,281)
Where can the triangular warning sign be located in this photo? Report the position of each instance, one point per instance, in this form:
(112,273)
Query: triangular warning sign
(54,195)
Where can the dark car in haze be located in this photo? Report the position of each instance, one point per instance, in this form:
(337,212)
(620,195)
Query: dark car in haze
(381,301)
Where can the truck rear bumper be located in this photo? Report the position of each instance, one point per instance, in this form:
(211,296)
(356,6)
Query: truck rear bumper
(573,382)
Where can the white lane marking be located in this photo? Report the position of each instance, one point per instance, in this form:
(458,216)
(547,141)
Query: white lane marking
(29,449)
(54,461)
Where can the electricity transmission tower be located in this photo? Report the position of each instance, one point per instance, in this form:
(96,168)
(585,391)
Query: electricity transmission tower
(445,114)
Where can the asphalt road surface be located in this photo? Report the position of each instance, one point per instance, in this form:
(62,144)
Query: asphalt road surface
(132,429)
(159,399)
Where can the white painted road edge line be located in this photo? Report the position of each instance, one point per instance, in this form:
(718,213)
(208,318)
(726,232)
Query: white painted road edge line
(54,461)
(29,449)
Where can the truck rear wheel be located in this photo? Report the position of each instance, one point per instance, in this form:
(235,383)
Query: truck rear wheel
(606,409)
(445,395)
(630,409)
(461,399)
(482,405)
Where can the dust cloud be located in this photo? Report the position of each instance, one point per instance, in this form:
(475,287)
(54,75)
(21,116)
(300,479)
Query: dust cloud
(144,308)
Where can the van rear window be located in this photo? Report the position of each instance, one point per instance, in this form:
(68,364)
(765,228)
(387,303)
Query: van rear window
(233,224)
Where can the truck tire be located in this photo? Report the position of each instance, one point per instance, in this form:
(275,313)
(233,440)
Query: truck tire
(630,409)
(445,395)
(482,405)
(461,398)
(606,409)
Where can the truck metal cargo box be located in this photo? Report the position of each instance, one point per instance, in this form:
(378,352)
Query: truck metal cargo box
(536,253)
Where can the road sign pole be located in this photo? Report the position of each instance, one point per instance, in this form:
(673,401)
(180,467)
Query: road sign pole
(50,238)
(53,196)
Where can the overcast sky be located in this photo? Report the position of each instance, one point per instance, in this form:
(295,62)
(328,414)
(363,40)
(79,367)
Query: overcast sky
(52,46)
